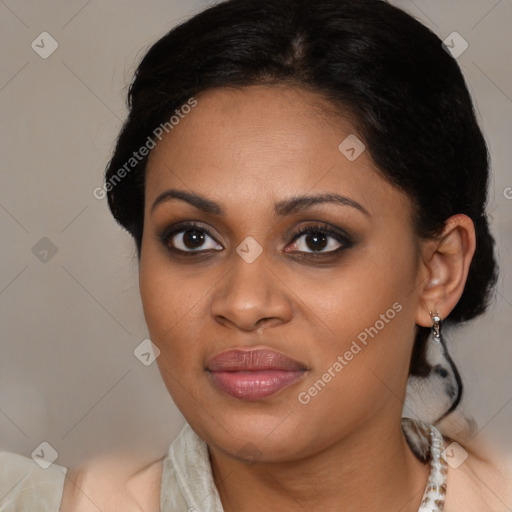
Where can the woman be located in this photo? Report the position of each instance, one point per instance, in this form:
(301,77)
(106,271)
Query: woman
(306,186)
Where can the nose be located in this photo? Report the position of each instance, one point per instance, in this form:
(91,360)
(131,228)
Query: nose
(251,296)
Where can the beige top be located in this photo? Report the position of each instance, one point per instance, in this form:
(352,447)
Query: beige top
(26,486)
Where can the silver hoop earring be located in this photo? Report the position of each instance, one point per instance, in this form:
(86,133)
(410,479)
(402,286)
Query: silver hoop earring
(436,327)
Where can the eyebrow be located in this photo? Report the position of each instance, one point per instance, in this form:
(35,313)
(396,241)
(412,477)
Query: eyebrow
(285,207)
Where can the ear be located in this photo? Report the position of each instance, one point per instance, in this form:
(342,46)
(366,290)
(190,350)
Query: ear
(444,268)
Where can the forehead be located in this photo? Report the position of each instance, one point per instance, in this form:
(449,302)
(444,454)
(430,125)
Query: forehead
(262,141)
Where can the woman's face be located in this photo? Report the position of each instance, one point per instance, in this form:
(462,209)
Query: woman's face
(242,282)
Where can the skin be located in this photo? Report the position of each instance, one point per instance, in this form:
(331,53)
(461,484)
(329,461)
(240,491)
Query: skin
(247,149)
(271,143)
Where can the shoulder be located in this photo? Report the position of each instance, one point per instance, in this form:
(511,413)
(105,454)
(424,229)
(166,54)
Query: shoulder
(114,483)
(479,479)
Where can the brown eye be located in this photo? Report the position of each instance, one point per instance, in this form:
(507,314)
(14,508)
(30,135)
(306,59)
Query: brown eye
(190,238)
(316,242)
(320,240)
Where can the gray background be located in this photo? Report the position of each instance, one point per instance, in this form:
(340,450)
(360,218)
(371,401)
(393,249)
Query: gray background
(70,324)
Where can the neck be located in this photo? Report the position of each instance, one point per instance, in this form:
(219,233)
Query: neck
(371,469)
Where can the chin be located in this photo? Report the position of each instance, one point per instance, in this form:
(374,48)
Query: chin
(250,437)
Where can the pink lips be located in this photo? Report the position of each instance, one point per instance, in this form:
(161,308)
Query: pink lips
(253,374)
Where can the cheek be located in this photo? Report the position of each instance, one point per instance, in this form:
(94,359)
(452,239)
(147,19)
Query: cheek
(171,305)
(352,297)
(361,322)
(171,310)
(361,367)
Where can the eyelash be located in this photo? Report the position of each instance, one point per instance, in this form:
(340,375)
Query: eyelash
(323,229)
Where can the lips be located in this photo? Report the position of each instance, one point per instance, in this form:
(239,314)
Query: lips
(253,374)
